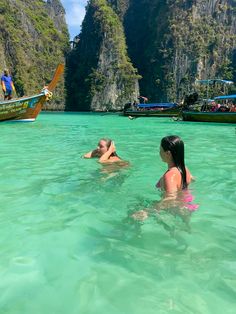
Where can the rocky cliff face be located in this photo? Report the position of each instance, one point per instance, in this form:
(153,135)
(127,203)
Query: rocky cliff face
(171,43)
(57,14)
(100,75)
(33,40)
(179,42)
(153,47)
(120,7)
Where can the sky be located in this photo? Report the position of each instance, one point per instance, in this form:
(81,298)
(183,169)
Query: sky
(75,11)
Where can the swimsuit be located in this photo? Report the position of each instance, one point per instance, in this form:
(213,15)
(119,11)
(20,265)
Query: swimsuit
(187,198)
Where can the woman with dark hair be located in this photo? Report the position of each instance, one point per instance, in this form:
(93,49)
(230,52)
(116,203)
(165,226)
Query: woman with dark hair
(177,177)
(105,151)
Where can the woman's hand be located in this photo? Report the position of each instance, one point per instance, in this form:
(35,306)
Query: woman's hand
(140,215)
(112,147)
(105,157)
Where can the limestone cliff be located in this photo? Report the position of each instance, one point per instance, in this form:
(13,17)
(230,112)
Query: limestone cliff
(174,42)
(33,40)
(170,42)
(100,75)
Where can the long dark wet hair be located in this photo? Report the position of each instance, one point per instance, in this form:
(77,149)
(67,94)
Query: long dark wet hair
(108,144)
(175,145)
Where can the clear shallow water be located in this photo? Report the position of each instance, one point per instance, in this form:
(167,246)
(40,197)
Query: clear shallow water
(66,245)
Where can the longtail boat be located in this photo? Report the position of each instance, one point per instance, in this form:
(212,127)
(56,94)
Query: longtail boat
(28,108)
(222,117)
(225,113)
(220,109)
(152,110)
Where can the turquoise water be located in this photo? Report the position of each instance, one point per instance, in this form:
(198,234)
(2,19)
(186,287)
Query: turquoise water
(67,245)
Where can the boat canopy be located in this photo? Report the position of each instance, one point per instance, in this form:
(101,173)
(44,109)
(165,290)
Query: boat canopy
(158,105)
(213,81)
(225,97)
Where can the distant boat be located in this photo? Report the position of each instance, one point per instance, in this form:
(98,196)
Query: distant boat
(222,117)
(28,108)
(206,110)
(203,113)
(152,110)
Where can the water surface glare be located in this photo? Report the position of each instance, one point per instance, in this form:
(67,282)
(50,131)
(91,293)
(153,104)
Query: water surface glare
(67,243)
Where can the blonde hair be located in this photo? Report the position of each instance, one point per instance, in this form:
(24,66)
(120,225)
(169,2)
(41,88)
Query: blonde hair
(108,144)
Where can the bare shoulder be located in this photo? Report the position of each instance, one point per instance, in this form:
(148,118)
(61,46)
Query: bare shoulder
(172,175)
(171,172)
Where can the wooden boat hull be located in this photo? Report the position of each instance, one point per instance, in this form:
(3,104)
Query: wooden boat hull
(28,108)
(172,112)
(221,117)
(23,109)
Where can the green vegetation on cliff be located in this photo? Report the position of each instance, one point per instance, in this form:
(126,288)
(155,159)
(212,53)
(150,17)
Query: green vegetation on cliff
(207,41)
(30,44)
(100,61)
(172,43)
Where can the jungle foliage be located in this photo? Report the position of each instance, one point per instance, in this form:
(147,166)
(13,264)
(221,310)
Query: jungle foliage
(31,44)
(173,43)
(102,33)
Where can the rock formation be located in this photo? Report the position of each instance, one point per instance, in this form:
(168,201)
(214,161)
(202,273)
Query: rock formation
(100,75)
(170,44)
(33,40)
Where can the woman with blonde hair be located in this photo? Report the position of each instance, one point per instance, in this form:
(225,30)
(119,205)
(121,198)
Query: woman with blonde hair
(105,151)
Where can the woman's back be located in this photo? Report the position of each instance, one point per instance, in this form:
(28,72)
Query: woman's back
(172,180)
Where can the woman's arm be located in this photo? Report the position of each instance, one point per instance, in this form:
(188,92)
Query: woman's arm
(167,184)
(88,155)
(170,182)
(190,177)
(93,153)
(166,202)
